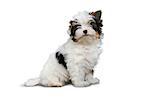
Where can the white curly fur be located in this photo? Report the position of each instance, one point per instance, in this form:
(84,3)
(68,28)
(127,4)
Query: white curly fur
(80,57)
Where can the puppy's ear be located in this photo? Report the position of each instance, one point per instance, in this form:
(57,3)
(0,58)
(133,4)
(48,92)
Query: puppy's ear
(97,14)
(70,26)
(72,22)
(97,17)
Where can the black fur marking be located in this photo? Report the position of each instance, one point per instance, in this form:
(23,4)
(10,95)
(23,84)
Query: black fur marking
(100,25)
(71,22)
(73,29)
(61,59)
(97,25)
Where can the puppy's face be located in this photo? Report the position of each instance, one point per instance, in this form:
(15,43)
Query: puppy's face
(85,25)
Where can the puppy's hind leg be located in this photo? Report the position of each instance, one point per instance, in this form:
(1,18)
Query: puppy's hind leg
(52,83)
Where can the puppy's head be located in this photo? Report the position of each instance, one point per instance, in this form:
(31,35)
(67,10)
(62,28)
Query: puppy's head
(85,26)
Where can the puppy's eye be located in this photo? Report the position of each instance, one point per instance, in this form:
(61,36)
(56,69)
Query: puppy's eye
(75,27)
(91,22)
(78,26)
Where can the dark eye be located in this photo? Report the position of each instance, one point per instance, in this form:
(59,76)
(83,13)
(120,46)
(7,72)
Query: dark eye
(77,26)
(93,25)
(91,22)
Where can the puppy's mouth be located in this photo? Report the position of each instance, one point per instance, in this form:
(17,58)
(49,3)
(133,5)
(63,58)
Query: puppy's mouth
(86,39)
(87,36)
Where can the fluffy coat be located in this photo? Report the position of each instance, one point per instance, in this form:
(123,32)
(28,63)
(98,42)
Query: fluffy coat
(75,60)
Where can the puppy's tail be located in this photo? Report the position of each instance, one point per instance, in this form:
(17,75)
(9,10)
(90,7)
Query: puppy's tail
(32,82)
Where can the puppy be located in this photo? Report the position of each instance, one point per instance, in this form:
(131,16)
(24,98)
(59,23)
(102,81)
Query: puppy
(74,61)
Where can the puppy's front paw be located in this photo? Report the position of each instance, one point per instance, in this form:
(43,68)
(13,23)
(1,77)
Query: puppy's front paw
(94,81)
(81,84)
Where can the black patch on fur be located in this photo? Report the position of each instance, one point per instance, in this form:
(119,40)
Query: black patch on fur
(97,25)
(73,29)
(72,22)
(61,59)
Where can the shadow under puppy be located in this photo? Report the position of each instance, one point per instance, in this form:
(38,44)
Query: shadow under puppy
(74,61)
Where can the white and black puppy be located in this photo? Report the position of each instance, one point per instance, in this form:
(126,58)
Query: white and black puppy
(75,60)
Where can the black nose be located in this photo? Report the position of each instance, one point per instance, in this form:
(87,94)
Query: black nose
(85,31)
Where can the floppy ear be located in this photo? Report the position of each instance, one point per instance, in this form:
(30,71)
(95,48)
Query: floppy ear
(70,26)
(72,22)
(97,14)
(97,17)
(69,30)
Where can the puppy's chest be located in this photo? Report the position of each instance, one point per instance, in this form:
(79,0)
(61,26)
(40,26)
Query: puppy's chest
(90,54)
(85,54)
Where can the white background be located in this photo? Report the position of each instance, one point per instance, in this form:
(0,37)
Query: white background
(31,29)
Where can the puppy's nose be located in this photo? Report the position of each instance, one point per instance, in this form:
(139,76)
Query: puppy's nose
(85,31)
